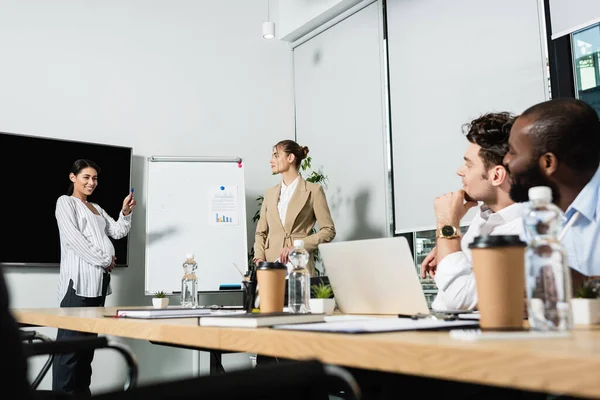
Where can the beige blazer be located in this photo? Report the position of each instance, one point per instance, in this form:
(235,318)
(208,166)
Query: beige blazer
(307,206)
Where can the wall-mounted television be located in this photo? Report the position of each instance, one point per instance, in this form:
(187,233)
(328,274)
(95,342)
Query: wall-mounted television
(34,173)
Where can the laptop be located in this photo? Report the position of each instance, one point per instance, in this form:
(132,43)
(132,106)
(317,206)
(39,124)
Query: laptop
(374,276)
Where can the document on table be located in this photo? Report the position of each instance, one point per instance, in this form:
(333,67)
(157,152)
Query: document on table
(473,335)
(374,325)
(469,316)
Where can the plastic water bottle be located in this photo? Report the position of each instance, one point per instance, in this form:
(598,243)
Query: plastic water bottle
(189,283)
(547,276)
(299,280)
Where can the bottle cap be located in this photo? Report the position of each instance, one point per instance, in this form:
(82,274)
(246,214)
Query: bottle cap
(299,243)
(189,255)
(540,193)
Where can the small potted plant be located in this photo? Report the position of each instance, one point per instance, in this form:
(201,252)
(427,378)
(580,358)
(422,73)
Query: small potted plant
(322,301)
(585,304)
(160,300)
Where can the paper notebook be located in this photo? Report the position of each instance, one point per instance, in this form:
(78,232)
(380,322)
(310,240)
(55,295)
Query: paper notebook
(175,312)
(379,325)
(255,320)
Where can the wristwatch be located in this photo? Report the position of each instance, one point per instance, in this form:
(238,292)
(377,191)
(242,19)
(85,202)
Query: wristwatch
(447,232)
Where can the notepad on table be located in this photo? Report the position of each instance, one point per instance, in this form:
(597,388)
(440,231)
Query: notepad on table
(256,320)
(175,312)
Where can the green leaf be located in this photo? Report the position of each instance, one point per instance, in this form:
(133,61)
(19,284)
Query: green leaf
(250,258)
(322,291)
(589,290)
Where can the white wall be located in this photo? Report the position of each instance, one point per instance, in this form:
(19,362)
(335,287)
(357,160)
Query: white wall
(191,78)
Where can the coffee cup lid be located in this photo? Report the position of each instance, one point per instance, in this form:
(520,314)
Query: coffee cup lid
(271,265)
(487,241)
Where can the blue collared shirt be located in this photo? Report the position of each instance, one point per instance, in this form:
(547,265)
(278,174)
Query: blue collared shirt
(582,240)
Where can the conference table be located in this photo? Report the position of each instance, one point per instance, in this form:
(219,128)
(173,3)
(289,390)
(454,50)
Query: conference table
(568,366)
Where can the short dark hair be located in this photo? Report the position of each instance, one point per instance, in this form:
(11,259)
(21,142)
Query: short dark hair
(490,131)
(569,128)
(78,166)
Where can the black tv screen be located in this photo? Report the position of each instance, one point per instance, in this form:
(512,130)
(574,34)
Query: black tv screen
(34,173)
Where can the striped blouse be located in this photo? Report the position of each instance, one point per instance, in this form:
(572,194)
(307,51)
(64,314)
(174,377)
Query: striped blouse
(84,250)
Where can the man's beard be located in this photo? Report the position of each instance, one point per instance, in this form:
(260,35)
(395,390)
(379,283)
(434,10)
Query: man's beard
(531,177)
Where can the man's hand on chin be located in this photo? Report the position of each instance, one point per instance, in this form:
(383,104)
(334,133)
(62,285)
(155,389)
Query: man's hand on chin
(449,210)
(451,207)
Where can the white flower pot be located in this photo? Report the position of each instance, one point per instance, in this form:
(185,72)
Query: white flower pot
(585,311)
(322,306)
(162,302)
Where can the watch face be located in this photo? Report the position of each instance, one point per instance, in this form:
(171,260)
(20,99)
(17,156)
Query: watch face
(447,230)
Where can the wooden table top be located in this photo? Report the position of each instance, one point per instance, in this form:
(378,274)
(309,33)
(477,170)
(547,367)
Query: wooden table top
(559,365)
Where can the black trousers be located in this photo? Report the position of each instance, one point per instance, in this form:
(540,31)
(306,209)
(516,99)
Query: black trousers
(72,373)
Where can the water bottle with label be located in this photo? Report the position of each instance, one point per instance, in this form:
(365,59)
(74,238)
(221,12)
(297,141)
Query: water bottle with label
(299,280)
(547,275)
(189,283)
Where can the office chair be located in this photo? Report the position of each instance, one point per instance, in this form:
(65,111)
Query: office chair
(30,337)
(295,379)
(65,346)
(289,380)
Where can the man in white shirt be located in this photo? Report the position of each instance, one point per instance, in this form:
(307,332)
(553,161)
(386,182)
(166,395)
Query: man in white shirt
(485,180)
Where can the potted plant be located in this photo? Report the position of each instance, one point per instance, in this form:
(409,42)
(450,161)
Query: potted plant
(160,300)
(585,304)
(322,301)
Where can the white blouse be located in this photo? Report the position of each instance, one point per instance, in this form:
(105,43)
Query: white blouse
(85,249)
(285,195)
(108,245)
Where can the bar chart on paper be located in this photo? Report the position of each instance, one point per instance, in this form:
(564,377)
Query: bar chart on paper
(224,205)
(222,218)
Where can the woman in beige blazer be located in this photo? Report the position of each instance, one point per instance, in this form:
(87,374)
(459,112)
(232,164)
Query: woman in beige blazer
(290,210)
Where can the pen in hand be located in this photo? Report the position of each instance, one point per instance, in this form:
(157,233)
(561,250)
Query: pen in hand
(129,203)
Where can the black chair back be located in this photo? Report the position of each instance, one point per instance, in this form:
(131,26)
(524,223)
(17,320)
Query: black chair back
(290,380)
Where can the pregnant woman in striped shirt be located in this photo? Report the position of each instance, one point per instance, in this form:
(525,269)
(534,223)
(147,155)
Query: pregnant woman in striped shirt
(87,257)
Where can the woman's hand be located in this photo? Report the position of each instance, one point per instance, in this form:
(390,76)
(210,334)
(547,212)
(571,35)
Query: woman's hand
(285,252)
(257,261)
(128,204)
(112,264)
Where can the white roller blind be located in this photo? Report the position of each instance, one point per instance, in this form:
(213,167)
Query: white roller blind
(451,61)
(568,16)
(339,116)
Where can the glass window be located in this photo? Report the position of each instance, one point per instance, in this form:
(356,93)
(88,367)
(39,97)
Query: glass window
(586,62)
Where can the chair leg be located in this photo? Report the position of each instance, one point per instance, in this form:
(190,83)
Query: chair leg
(31,336)
(216,363)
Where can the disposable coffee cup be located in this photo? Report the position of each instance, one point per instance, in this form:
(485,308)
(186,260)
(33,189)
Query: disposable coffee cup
(271,286)
(499,268)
